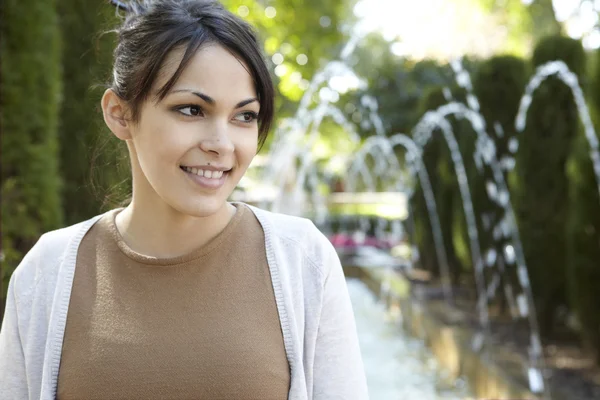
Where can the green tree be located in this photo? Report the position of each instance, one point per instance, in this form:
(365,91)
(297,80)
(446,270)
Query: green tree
(499,85)
(88,150)
(583,237)
(30,93)
(544,22)
(398,84)
(438,162)
(305,35)
(583,233)
(541,180)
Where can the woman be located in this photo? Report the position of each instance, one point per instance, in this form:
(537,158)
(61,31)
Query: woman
(181,294)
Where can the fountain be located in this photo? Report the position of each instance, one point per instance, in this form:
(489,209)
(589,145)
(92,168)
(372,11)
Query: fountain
(292,163)
(562,72)
(497,191)
(486,154)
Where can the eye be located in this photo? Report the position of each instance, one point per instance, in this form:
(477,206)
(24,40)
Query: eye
(247,117)
(190,110)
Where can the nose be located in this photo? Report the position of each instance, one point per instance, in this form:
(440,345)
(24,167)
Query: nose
(217,141)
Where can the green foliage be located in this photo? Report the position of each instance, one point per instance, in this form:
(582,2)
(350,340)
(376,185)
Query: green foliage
(583,239)
(542,198)
(499,85)
(30,90)
(314,28)
(568,50)
(439,165)
(452,200)
(544,19)
(583,231)
(595,78)
(88,148)
(398,84)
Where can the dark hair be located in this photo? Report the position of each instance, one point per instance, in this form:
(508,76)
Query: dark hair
(153,28)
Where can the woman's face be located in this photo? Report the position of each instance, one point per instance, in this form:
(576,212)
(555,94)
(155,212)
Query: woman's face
(191,149)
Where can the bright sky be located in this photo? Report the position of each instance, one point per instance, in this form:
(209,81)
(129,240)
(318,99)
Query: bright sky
(436,28)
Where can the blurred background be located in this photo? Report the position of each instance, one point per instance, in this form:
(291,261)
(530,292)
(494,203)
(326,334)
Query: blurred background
(448,148)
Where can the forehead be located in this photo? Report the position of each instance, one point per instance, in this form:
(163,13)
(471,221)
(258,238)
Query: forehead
(213,70)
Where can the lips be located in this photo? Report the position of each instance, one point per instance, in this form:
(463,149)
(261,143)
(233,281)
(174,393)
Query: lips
(206,173)
(206,179)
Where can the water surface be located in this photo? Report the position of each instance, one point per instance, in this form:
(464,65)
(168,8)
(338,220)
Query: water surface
(398,367)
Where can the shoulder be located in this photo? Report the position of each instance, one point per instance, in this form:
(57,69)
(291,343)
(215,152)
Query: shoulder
(299,234)
(286,225)
(44,258)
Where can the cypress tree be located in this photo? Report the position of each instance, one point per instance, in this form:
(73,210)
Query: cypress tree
(30,92)
(499,85)
(583,232)
(541,179)
(583,240)
(88,149)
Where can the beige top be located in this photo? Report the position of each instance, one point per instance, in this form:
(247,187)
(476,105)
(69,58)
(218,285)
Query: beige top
(200,326)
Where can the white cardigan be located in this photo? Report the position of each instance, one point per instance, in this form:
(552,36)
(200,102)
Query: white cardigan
(314,307)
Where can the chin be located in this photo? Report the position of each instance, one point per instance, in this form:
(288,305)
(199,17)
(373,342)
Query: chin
(203,208)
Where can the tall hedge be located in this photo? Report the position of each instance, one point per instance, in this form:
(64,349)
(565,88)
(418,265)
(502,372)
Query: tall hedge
(30,93)
(541,179)
(437,161)
(88,149)
(583,233)
(499,84)
(583,239)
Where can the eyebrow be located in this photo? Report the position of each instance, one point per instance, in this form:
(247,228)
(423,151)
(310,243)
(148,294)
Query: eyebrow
(212,101)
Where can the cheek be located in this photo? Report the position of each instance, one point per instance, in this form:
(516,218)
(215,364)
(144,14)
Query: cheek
(246,148)
(164,144)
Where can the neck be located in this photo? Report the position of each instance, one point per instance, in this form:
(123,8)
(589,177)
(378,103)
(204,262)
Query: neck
(164,232)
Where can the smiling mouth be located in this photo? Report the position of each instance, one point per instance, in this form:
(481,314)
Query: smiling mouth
(204,173)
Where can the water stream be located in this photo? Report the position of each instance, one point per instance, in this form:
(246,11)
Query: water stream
(397,366)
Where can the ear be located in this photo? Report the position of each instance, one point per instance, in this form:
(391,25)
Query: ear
(115,115)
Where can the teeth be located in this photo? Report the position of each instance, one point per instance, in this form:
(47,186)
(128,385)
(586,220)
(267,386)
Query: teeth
(204,173)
